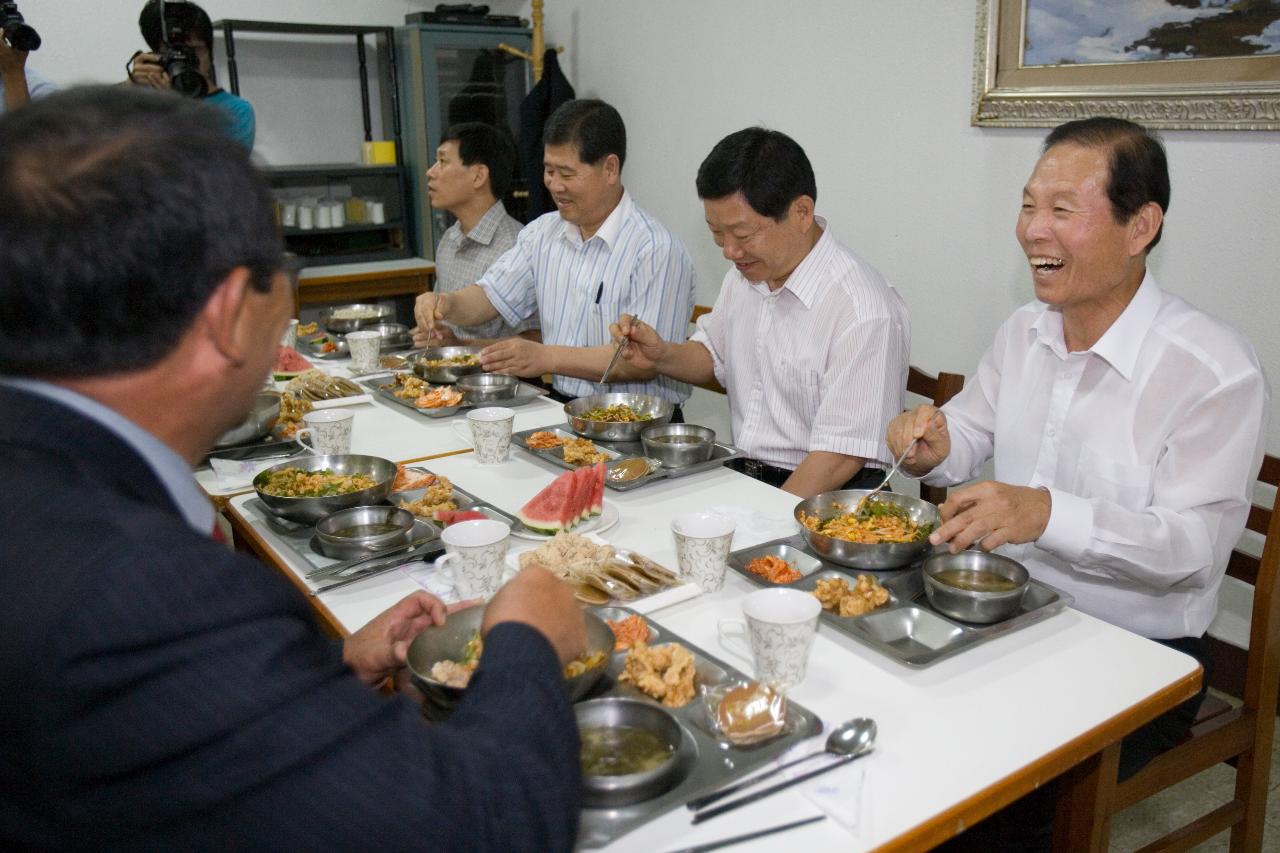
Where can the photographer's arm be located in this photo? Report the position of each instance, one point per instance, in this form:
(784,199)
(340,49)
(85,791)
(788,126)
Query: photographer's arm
(13,71)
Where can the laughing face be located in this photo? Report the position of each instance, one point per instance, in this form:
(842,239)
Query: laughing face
(1082,259)
(759,247)
(584,193)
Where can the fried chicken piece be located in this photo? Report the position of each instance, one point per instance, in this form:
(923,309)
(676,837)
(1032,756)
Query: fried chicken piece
(582,451)
(829,591)
(663,672)
(439,495)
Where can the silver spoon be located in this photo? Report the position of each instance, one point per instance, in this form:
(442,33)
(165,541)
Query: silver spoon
(853,737)
(864,737)
(896,465)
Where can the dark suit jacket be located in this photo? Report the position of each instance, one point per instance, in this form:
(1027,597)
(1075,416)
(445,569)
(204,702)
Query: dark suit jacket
(550,92)
(161,692)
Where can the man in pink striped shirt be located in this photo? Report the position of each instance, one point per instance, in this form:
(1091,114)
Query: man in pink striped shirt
(811,342)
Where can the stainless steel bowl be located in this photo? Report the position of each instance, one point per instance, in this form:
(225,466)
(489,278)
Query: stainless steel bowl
(677,445)
(445,373)
(311,510)
(377,314)
(446,642)
(855,554)
(257,424)
(970,605)
(624,789)
(483,388)
(655,410)
(394,335)
(338,534)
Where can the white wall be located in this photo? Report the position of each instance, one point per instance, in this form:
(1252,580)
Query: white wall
(879,95)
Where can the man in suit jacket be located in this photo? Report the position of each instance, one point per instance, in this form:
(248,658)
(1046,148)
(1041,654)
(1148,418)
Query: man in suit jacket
(162,692)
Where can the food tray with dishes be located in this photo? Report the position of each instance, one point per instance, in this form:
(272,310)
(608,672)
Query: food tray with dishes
(697,754)
(898,619)
(629,466)
(408,385)
(394,338)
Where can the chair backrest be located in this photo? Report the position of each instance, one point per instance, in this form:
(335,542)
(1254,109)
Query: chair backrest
(938,389)
(713,386)
(1241,735)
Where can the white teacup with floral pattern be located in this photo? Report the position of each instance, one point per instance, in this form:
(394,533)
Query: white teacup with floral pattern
(703,540)
(779,631)
(363,346)
(476,556)
(490,433)
(326,432)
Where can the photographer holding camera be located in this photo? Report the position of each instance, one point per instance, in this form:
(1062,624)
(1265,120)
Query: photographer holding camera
(18,85)
(180,36)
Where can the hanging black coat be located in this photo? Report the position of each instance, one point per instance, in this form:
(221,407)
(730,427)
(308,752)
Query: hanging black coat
(550,92)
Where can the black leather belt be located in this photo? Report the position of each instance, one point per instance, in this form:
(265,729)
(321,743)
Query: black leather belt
(866,478)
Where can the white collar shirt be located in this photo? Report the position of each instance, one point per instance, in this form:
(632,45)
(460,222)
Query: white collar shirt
(820,364)
(461,259)
(632,265)
(1148,443)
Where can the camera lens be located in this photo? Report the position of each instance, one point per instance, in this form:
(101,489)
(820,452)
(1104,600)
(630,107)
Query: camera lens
(19,35)
(184,75)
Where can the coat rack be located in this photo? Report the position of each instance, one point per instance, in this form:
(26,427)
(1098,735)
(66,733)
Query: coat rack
(534,56)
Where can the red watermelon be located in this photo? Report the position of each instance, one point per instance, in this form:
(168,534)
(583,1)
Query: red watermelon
(546,510)
(289,360)
(585,486)
(453,516)
(597,492)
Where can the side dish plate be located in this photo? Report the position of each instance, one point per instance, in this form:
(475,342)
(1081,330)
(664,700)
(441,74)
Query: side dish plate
(618,453)
(383,387)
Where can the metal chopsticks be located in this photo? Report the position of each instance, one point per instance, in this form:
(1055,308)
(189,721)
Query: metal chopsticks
(750,836)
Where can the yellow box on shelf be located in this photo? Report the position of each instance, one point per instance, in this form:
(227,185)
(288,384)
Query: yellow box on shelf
(378,153)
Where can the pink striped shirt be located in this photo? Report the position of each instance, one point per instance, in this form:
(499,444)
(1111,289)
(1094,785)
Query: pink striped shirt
(819,364)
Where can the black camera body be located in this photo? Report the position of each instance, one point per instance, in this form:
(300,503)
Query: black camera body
(17,32)
(179,60)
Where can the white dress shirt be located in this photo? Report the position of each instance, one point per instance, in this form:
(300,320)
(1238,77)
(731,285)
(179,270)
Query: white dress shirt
(1148,442)
(631,265)
(818,364)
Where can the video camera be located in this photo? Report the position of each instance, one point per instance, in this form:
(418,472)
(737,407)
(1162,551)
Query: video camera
(177,58)
(17,32)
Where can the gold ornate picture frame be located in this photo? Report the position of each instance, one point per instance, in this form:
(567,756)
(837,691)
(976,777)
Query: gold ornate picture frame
(1228,93)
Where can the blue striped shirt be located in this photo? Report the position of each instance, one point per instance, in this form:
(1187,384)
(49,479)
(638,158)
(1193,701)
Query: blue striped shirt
(632,265)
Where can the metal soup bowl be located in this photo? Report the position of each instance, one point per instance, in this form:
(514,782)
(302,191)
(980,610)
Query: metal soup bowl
(445,373)
(891,555)
(488,387)
(335,540)
(655,410)
(258,423)
(311,510)
(377,314)
(625,789)
(447,642)
(393,335)
(970,605)
(677,445)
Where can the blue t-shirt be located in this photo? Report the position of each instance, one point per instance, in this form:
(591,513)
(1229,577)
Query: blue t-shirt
(239,114)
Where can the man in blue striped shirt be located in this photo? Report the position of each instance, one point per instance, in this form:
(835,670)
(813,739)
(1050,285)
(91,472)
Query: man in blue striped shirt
(597,257)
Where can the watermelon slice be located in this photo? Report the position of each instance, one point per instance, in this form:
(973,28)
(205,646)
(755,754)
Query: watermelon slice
(586,485)
(579,497)
(545,511)
(597,493)
(453,516)
(289,363)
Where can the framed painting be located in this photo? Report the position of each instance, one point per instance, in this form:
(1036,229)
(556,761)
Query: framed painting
(1184,64)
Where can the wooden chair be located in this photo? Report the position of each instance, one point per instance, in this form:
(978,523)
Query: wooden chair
(713,385)
(1241,736)
(938,389)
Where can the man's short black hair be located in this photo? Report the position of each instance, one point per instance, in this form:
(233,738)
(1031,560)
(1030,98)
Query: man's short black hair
(1139,169)
(193,20)
(123,210)
(486,144)
(591,126)
(769,168)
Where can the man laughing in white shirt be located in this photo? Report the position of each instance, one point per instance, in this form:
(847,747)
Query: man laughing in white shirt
(1126,426)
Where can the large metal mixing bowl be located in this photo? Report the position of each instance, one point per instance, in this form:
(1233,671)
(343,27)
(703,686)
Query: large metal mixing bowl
(445,372)
(890,555)
(375,314)
(655,411)
(448,641)
(311,510)
(257,424)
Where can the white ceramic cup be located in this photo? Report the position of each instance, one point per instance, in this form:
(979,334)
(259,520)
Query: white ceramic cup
(290,338)
(778,634)
(476,553)
(703,540)
(490,433)
(363,346)
(329,431)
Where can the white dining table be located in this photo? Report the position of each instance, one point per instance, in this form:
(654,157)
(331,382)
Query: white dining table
(957,740)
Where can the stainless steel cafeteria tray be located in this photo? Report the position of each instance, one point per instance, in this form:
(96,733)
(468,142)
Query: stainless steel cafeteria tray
(717,762)
(907,628)
(300,538)
(380,385)
(620,451)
